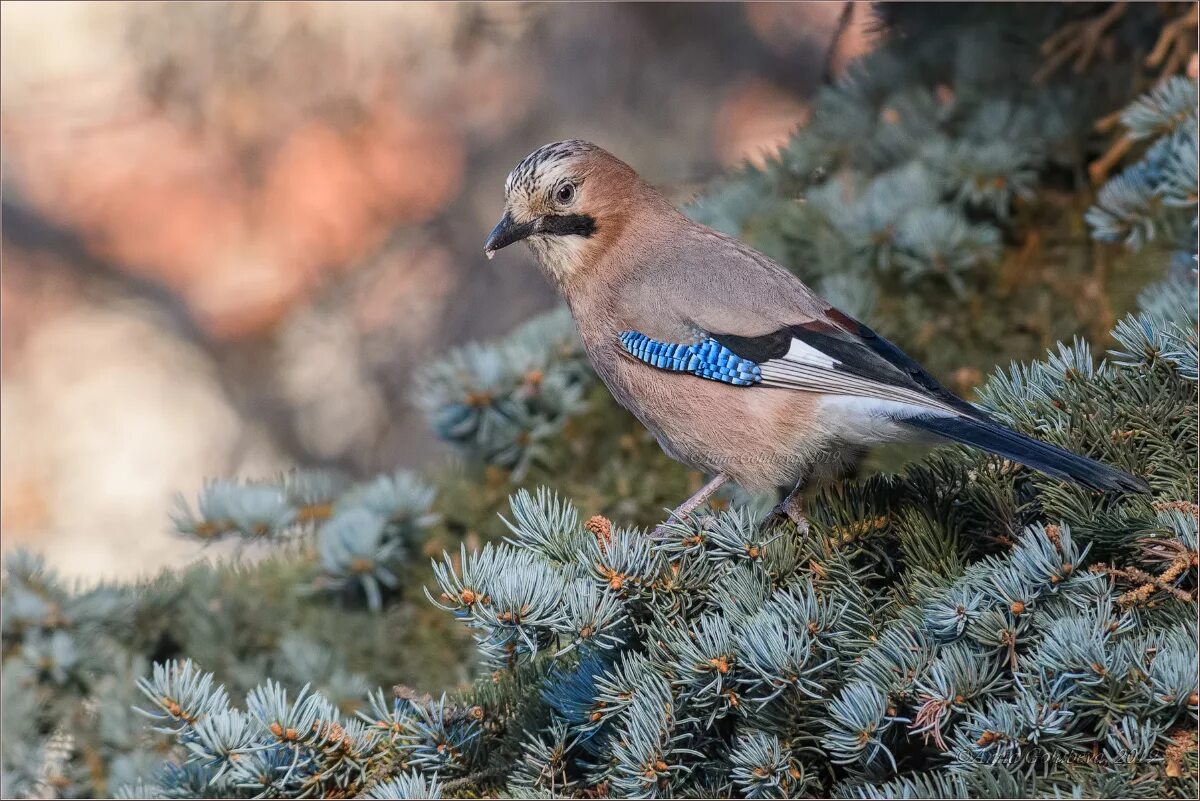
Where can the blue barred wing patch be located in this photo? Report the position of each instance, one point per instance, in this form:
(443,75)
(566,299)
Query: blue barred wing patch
(706,358)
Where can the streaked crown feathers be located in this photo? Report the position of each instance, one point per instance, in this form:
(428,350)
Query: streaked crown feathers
(526,174)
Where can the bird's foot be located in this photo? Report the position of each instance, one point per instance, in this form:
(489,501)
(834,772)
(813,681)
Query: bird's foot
(685,509)
(791,509)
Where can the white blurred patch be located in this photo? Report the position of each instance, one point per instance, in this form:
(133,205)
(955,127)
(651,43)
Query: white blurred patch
(105,416)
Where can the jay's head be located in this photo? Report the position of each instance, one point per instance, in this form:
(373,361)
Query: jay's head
(569,201)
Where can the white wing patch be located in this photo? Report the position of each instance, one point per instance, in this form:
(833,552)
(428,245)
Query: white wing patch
(803,353)
(808,369)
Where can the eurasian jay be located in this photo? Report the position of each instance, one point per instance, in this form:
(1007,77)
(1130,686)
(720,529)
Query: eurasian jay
(738,369)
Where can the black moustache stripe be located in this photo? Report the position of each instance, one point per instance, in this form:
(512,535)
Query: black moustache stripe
(568,224)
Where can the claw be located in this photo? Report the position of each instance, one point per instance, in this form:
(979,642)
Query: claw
(790,508)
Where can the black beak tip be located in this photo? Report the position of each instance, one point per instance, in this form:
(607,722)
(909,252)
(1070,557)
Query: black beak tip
(506,233)
(494,238)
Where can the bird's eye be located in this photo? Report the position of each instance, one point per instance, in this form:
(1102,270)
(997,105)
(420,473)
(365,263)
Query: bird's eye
(565,193)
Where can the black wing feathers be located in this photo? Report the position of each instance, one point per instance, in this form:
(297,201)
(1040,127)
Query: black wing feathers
(856,349)
(758,349)
(903,363)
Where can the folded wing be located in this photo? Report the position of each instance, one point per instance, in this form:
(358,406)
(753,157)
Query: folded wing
(826,356)
(839,356)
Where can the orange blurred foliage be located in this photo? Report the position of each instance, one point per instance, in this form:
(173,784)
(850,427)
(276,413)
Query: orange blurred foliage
(171,204)
(784,26)
(754,119)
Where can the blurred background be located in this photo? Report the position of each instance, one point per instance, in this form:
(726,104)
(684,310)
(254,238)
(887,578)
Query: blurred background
(232,230)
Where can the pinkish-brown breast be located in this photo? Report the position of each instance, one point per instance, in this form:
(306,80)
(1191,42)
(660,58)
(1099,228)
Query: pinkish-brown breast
(760,437)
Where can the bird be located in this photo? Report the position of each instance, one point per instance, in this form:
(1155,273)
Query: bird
(737,368)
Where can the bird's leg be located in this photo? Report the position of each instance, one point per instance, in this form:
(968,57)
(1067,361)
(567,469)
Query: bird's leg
(696,501)
(790,508)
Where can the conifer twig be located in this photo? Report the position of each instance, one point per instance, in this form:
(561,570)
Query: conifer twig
(1148,584)
(1079,39)
(1175,43)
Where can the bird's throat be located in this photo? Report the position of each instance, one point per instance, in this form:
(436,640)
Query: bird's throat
(560,257)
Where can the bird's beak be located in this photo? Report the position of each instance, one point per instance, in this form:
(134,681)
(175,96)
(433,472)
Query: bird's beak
(507,232)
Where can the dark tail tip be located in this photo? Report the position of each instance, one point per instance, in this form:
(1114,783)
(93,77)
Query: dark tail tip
(1049,459)
(1125,482)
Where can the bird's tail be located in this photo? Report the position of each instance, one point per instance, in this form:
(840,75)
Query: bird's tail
(1048,459)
